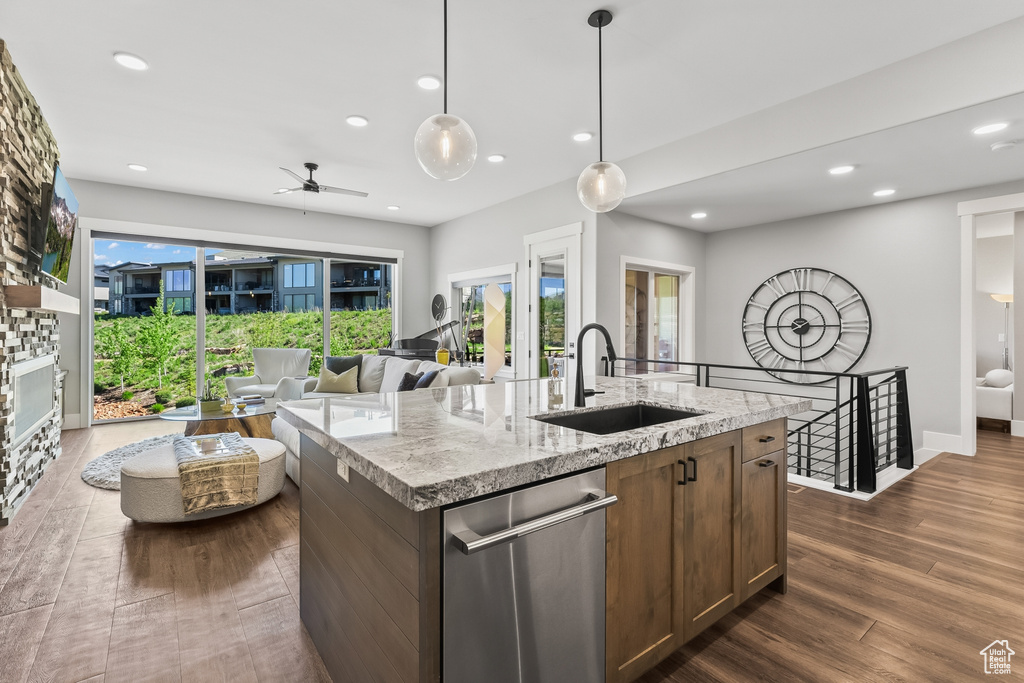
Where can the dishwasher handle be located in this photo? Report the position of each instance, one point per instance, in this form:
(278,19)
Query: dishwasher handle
(470,542)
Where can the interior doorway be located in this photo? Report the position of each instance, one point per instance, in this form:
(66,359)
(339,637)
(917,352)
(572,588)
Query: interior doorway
(656,309)
(972,213)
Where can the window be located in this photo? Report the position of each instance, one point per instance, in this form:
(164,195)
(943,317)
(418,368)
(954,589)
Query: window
(178,281)
(299,303)
(299,275)
(179,304)
(118,284)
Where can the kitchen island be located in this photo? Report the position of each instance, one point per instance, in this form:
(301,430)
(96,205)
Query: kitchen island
(378,470)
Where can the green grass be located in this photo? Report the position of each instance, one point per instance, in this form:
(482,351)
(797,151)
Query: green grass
(229,343)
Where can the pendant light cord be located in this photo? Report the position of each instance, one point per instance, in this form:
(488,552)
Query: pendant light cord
(600,95)
(445,56)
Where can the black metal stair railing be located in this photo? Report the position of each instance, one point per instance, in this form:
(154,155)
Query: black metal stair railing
(858,425)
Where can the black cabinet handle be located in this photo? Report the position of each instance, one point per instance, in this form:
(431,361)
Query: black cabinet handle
(694,477)
(766,439)
(682,482)
(766,463)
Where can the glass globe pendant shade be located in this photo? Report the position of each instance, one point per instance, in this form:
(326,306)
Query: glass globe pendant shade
(445,147)
(601,186)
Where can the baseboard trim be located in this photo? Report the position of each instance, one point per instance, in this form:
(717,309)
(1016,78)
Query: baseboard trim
(923,455)
(73,421)
(884,480)
(1016,427)
(942,443)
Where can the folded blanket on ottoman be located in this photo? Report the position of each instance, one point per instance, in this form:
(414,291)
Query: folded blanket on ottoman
(224,477)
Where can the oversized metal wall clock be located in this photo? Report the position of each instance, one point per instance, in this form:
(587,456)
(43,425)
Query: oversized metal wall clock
(806,319)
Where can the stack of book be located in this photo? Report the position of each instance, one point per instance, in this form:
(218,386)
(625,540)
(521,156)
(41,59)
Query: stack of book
(252,400)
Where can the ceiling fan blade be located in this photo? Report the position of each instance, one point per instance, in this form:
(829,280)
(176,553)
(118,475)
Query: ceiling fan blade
(285,190)
(340,190)
(293,174)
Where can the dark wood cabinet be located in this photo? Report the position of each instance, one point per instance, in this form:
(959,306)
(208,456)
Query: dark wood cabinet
(763,523)
(697,530)
(644,596)
(711,536)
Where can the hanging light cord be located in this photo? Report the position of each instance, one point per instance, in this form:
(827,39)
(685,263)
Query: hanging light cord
(600,94)
(445,56)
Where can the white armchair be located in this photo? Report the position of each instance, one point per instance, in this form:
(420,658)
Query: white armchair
(995,395)
(279,373)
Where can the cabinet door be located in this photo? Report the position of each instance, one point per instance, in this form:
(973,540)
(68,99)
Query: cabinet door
(763,525)
(643,531)
(711,510)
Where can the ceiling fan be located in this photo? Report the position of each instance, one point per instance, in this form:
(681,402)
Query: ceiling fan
(310,185)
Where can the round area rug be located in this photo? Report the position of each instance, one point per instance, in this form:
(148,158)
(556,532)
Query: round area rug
(104,472)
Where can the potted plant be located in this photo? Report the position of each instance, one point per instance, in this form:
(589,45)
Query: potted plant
(208,402)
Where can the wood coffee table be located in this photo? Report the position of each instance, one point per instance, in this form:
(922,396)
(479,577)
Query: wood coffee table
(253,422)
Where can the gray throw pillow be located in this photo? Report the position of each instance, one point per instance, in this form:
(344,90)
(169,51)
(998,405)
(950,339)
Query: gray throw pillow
(409,381)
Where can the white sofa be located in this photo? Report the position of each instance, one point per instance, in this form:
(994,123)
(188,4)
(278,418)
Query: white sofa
(279,373)
(995,395)
(377,375)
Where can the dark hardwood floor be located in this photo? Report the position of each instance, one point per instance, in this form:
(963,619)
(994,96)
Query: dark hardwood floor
(910,586)
(907,587)
(88,595)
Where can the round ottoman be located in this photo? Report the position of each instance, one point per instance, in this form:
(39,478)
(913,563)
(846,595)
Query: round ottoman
(150,491)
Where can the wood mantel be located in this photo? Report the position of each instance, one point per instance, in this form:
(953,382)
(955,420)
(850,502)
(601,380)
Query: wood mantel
(40,298)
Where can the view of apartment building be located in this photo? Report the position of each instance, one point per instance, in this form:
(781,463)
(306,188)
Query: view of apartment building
(238,282)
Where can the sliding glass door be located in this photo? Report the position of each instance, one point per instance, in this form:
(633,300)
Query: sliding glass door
(144,328)
(151,295)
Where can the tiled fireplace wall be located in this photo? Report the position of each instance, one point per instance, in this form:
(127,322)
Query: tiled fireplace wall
(28,153)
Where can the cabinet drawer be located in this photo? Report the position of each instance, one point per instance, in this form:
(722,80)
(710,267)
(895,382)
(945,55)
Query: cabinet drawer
(763,439)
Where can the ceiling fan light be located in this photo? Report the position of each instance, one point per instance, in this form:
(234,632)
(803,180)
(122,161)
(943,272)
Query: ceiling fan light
(601,186)
(445,147)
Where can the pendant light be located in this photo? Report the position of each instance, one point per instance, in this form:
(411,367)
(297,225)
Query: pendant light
(445,144)
(602,185)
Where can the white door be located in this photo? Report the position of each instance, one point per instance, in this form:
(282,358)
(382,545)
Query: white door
(553,305)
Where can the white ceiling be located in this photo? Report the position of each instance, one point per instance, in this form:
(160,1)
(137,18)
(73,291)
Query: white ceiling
(935,155)
(236,89)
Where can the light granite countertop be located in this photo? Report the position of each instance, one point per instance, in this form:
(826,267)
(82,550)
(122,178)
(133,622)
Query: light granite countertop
(433,447)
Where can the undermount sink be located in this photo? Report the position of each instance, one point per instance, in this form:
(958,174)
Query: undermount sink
(618,419)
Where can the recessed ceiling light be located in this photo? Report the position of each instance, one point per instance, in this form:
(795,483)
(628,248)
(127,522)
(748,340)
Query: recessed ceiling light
(137,167)
(429,82)
(990,128)
(130,61)
(495,158)
(394,207)
(884,193)
(357,121)
(840,170)
(1003,145)
(699,214)
(582,137)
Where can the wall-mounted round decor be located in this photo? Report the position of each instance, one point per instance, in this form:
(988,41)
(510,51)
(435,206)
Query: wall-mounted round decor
(806,319)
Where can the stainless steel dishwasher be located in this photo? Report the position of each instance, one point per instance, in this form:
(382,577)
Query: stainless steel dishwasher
(524,585)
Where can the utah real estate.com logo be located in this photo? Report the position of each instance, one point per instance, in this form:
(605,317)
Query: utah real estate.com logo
(997,657)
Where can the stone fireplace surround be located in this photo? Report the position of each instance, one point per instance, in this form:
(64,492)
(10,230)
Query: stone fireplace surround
(28,153)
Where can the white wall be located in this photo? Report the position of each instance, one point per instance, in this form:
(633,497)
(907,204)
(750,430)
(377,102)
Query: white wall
(624,235)
(109,205)
(993,263)
(905,259)
(494,237)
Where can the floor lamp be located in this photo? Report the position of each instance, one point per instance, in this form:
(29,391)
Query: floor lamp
(1005,300)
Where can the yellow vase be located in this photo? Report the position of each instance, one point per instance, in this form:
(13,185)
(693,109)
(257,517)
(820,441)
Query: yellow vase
(442,356)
